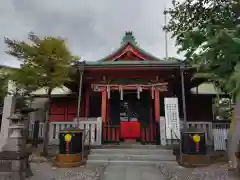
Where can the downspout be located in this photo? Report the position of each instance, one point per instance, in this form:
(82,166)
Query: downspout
(183,96)
(80,70)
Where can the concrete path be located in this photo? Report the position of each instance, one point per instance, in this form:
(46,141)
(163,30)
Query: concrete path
(132,172)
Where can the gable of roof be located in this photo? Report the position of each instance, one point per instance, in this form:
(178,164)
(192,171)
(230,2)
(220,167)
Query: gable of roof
(129,47)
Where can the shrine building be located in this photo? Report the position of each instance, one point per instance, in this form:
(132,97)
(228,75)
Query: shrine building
(127,90)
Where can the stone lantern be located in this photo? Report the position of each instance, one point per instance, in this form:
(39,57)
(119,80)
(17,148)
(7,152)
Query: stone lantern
(16,127)
(25,114)
(14,163)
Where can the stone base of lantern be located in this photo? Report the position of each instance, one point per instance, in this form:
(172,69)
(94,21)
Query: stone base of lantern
(238,161)
(190,161)
(69,160)
(14,165)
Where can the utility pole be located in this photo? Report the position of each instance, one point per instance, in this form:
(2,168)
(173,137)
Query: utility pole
(166,34)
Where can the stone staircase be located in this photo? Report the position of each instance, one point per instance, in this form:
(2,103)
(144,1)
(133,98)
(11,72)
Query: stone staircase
(140,154)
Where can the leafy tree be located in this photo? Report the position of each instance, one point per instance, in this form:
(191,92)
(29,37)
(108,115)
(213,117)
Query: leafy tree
(46,63)
(202,31)
(208,32)
(222,108)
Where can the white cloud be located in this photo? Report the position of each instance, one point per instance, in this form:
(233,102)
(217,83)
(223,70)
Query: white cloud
(93,28)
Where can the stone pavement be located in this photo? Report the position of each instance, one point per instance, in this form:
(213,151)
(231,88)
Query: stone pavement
(44,171)
(130,172)
(176,172)
(169,171)
(165,171)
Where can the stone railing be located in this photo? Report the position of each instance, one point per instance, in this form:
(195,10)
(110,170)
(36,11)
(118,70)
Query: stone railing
(92,125)
(216,132)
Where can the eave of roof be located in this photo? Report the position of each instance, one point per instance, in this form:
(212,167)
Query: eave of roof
(128,63)
(204,88)
(207,89)
(7,67)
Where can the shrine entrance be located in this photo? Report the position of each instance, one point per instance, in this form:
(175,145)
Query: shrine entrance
(132,115)
(131,111)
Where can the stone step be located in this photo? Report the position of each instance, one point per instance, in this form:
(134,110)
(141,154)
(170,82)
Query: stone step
(91,163)
(134,157)
(140,156)
(132,151)
(132,146)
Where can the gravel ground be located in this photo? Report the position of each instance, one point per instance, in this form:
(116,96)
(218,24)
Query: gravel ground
(44,171)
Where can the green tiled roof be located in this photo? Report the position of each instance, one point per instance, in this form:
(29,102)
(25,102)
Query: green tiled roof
(129,38)
(136,63)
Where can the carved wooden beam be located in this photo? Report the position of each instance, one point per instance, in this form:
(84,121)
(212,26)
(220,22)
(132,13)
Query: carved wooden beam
(156,86)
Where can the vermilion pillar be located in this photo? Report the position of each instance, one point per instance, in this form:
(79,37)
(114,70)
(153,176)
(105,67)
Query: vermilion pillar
(104,106)
(157,105)
(87,105)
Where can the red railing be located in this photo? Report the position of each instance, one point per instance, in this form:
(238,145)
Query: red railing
(149,134)
(111,133)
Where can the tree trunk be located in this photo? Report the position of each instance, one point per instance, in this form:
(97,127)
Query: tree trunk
(234,136)
(46,124)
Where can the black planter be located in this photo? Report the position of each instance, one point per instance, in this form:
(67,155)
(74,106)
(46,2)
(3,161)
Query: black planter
(75,145)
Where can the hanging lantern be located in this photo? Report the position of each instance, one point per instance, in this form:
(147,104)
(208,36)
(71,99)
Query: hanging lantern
(152,92)
(138,93)
(108,92)
(139,90)
(121,93)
